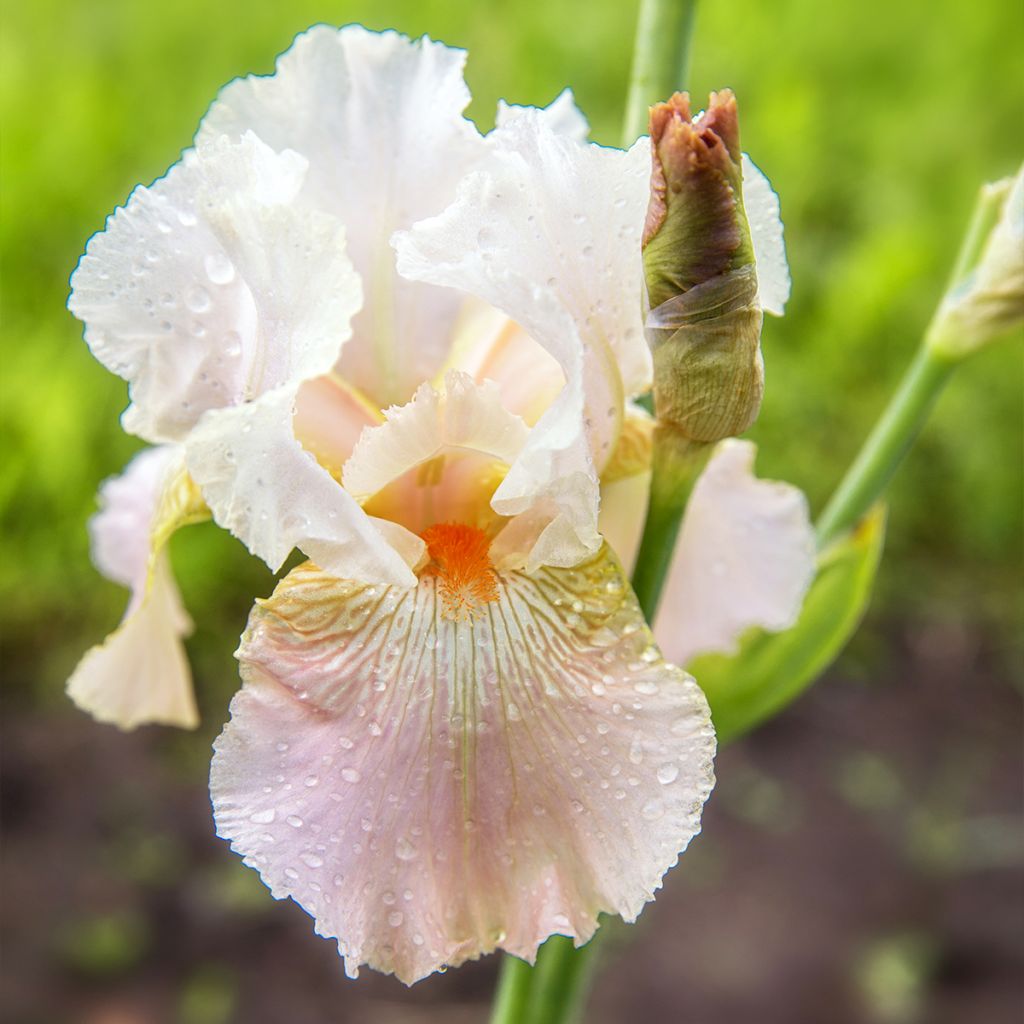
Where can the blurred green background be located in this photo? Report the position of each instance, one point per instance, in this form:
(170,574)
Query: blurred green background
(876,122)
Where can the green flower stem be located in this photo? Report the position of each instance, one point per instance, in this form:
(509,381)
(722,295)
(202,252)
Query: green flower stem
(661,58)
(675,465)
(887,444)
(515,984)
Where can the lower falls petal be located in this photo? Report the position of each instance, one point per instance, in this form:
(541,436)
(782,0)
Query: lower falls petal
(432,787)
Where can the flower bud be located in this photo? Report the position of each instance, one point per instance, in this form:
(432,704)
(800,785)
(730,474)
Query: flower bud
(987,301)
(704,320)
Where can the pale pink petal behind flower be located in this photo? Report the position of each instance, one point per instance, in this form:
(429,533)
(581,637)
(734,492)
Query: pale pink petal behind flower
(379,118)
(745,557)
(430,789)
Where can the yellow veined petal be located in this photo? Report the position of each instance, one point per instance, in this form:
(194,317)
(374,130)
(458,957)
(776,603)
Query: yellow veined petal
(431,787)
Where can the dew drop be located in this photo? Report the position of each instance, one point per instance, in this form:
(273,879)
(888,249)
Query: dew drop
(636,751)
(395,918)
(294,820)
(262,817)
(404,850)
(668,773)
(219,269)
(311,860)
(197,299)
(291,873)
(350,775)
(652,810)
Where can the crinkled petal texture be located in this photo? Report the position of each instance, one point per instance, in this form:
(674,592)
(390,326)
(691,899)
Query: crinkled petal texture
(430,789)
(379,119)
(217,294)
(140,673)
(548,231)
(745,557)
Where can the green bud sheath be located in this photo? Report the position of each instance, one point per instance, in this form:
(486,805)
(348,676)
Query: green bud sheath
(704,324)
(986,299)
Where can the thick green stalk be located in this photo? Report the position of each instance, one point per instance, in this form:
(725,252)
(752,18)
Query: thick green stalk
(661,58)
(885,447)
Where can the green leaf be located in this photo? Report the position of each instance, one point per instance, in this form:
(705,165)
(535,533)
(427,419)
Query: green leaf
(772,669)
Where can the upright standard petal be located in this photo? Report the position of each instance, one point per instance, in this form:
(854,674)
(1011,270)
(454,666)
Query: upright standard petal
(548,231)
(431,787)
(379,118)
(745,557)
(140,673)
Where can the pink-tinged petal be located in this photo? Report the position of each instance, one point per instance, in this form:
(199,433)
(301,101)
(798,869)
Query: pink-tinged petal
(430,790)
(329,417)
(121,531)
(272,494)
(140,674)
(764,217)
(214,285)
(745,557)
(379,118)
(489,346)
(562,116)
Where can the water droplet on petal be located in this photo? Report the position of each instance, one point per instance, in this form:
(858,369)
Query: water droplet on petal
(219,269)
(668,773)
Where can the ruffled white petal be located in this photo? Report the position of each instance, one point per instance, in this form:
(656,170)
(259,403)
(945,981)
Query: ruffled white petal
(214,285)
(140,673)
(745,557)
(379,118)
(430,790)
(562,116)
(272,494)
(765,219)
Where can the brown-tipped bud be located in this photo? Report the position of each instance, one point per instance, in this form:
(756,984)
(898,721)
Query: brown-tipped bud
(704,324)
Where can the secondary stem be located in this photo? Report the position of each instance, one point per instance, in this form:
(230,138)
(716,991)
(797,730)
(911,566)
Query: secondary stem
(661,58)
(885,447)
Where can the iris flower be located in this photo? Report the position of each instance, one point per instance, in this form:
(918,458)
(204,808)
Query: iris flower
(353,325)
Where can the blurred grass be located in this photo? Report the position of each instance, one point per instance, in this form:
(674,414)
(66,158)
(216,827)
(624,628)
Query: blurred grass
(875,121)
